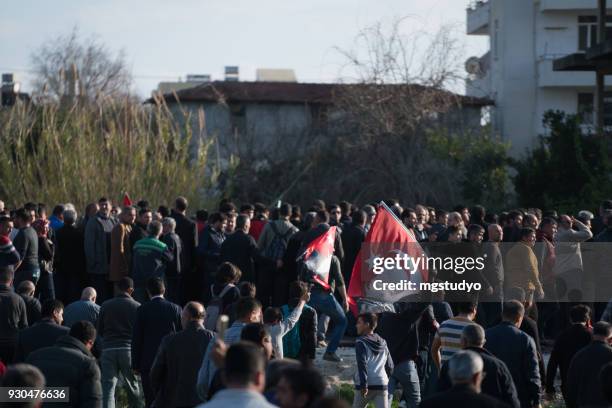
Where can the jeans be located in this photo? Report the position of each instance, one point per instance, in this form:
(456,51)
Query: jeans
(322,325)
(325,303)
(115,363)
(379,398)
(406,374)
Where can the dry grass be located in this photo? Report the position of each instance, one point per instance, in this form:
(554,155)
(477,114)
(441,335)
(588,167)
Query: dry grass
(57,153)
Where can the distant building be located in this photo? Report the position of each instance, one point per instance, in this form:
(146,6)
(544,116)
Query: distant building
(517,73)
(260,119)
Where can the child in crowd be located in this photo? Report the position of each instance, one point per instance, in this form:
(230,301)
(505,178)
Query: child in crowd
(374,364)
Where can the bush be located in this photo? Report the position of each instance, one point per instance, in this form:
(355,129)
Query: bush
(55,153)
(569,170)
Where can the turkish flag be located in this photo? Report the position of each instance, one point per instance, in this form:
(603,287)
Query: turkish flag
(388,237)
(318,255)
(126,200)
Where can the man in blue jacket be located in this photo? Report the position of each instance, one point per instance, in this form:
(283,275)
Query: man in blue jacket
(518,350)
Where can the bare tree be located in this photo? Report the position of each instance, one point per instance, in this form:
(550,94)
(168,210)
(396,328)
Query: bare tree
(400,96)
(69,66)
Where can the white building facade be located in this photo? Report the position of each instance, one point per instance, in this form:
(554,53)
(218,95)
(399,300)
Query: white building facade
(525,36)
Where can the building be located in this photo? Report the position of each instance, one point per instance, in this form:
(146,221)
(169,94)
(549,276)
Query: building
(526,37)
(258,120)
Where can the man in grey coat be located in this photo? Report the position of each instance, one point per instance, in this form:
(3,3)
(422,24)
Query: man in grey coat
(97,249)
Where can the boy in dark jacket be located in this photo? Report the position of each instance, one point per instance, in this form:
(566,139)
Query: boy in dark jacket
(373,363)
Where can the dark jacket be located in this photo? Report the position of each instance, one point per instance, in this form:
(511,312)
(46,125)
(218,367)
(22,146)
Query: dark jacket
(33,308)
(209,247)
(154,320)
(567,344)
(69,364)
(116,321)
(70,253)
(139,232)
(241,250)
(188,232)
(173,242)
(13,315)
(400,331)
(518,350)
(81,310)
(26,243)
(352,238)
(461,396)
(497,382)
(42,334)
(97,244)
(174,372)
(584,388)
(150,258)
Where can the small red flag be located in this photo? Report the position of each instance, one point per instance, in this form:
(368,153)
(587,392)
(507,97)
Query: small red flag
(126,200)
(318,255)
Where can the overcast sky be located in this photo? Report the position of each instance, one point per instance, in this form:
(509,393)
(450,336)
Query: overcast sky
(164,40)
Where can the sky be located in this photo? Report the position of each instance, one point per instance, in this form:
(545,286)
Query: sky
(165,40)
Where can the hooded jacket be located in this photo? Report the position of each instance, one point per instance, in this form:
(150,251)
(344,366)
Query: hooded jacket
(373,363)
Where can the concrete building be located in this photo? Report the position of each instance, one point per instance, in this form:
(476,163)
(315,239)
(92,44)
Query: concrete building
(258,121)
(525,37)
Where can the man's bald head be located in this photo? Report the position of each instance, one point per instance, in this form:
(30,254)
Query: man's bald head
(495,232)
(89,293)
(193,312)
(26,288)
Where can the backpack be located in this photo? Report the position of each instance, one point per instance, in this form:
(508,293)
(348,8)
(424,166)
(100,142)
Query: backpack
(291,340)
(215,307)
(276,250)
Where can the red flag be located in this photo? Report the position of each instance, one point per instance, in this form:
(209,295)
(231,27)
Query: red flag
(388,237)
(126,200)
(318,255)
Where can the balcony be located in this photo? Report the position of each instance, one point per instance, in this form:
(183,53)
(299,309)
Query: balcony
(547,77)
(478,13)
(570,5)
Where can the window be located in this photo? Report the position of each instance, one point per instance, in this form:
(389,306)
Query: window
(587,31)
(586,108)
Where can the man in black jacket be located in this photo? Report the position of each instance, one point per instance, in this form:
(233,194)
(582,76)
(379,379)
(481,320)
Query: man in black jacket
(115,325)
(174,372)
(139,230)
(497,381)
(44,333)
(584,388)
(154,320)
(400,332)
(13,315)
(240,249)
(70,273)
(69,363)
(33,308)
(352,238)
(187,231)
(209,251)
(518,350)
(567,344)
(465,369)
(173,268)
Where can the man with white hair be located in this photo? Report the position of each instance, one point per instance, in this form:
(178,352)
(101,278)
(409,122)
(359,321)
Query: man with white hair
(497,381)
(465,369)
(173,268)
(84,309)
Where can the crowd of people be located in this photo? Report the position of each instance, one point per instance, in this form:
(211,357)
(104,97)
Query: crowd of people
(217,310)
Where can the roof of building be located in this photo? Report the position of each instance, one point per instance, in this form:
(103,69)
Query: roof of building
(285,92)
